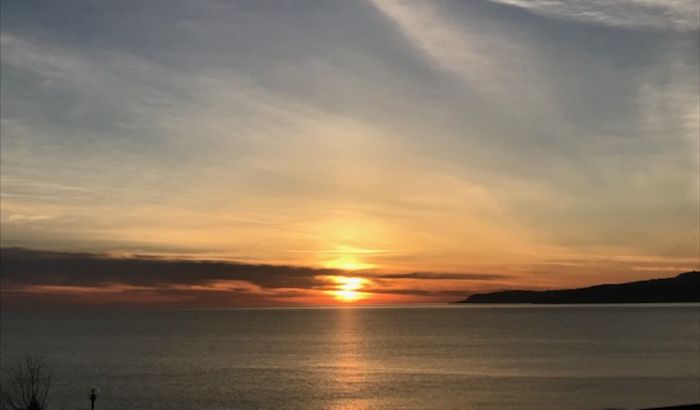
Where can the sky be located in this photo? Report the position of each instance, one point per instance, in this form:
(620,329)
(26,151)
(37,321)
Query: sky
(234,153)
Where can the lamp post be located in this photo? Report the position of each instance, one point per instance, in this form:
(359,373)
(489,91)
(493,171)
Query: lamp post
(93,397)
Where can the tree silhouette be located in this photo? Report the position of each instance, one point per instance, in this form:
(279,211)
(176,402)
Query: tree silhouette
(26,385)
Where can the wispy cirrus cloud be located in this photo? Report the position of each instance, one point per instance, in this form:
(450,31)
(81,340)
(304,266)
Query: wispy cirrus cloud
(493,60)
(633,14)
(452,136)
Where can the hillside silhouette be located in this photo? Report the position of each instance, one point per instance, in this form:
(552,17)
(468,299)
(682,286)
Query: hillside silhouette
(682,288)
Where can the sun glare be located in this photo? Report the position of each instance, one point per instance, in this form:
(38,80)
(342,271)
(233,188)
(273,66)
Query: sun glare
(348,262)
(347,289)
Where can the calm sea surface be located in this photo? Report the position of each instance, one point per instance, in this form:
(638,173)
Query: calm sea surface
(446,357)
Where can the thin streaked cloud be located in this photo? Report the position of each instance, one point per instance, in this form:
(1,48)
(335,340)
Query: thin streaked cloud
(633,14)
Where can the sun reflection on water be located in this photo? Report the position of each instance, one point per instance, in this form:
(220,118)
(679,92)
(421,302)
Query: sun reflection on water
(350,376)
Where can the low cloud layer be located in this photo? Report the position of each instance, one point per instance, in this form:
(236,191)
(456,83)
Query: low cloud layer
(45,277)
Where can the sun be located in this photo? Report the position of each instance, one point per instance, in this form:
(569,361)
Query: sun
(348,288)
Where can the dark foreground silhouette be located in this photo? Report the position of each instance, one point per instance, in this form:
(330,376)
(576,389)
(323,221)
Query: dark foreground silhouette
(683,288)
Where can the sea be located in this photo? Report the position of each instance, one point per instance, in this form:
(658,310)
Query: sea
(401,357)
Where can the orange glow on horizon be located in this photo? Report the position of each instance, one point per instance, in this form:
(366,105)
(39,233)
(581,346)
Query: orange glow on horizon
(348,262)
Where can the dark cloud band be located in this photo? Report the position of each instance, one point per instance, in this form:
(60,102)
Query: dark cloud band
(26,273)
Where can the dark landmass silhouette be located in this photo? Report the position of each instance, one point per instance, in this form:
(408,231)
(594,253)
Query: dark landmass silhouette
(680,289)
(684,407)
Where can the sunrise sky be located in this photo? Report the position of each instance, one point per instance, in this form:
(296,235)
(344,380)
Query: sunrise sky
(230,153)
